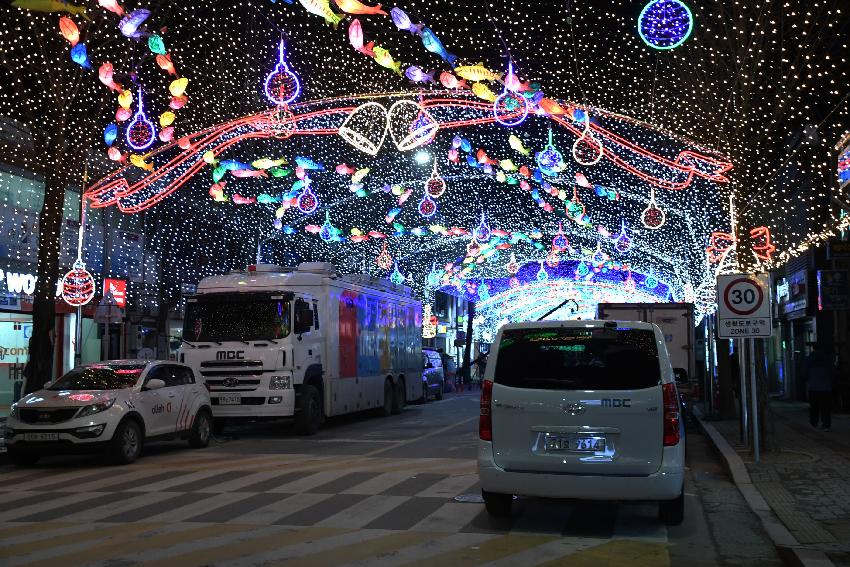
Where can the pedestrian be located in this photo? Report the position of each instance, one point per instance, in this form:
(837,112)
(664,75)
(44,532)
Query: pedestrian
(481,364)
(819,371)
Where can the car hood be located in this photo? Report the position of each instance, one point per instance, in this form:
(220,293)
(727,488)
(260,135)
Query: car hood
(66,398)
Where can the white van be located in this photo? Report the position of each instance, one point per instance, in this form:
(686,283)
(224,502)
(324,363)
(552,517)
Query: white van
(581,409)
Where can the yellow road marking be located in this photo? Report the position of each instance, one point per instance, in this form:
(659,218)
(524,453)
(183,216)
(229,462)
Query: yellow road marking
(243,548)
(488,551)
(113,549)
(112,533)
(34,528)
(616,553)
(369,548)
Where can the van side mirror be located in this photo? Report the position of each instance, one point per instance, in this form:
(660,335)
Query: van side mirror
(681,375)
(154,384)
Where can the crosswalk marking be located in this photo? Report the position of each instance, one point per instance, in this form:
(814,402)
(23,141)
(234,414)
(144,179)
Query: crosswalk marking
(211,502)
(559,552)
(270,513)
(378,484)
(496,548)
(450,487)
(359,550)
(237,483)
(49,504)
(450,517)
(10,534)
(179,479)
(618,552)
(88,514)
(426,549)
(39,480)
(309,481)
(363,512)
(134,477)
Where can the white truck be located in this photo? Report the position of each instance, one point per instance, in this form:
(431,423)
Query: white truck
(676,321)
(305,342)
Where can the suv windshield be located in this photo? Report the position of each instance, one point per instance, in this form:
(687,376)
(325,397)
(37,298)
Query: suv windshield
(578,359)
(100,377)
(229,318)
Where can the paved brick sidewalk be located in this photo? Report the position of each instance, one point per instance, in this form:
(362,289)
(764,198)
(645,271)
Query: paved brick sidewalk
(807,482)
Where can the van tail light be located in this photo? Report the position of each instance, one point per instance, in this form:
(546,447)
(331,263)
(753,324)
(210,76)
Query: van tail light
(671,415)
(485,421)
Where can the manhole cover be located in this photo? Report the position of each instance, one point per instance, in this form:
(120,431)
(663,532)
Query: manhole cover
(472,498)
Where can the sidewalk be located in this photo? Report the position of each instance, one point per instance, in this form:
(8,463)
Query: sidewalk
(806,483)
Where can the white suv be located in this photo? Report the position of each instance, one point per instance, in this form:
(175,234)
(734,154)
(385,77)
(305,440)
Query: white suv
(581,409)
(112,407)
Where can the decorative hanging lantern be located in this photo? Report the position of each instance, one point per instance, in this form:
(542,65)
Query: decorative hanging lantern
(665,24)
(482,232)
(622,242)
(78,285)
(435,185)
(384,260)
(396,277)
(141,132)
(410,125)
(328,231)
(510,108)
(512,267)
(542,275)
(550,159)
(652,216)
(307,200)
(560,241)
(366,127)
(282,86)
(427,206)
(587,150)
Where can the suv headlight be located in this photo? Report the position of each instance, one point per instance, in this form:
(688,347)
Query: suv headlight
(280,383)
(96,408)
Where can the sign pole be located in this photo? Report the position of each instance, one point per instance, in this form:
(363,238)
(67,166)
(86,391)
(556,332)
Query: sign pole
(753,393)
(78,331)
(742,378)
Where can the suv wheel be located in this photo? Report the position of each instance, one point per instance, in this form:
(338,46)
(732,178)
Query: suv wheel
(126,444)
(199,437)
(672,512)
(439,394)
(498,505)
(308,416)
(399,397)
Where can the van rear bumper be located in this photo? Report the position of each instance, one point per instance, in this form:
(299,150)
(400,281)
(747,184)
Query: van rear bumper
(665,484)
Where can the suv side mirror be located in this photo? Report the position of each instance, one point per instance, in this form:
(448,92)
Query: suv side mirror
(429,365)
(154,384)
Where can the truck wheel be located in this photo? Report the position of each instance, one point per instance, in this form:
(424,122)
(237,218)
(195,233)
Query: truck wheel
(308,411)
(672,512)
(199,437)
(387,409)
(126,444)
(399,397)
(439,395)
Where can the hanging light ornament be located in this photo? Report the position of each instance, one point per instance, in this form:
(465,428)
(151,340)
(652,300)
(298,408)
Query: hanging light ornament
(652,216)
(384,260)
(434,276)
(427,206)
(396,277)
(542,275)
(482,232)
(560,241)
(282,86)
(435,185)
(328,231)
(429,328)
(550,159)
(552,259)
(78,285)
(512,267)
(622,242)
(366,127)
(473,248)
(307,200)
(587,150)
(665,24)
(410,125)
(141,132)
(510,108)
(575,208)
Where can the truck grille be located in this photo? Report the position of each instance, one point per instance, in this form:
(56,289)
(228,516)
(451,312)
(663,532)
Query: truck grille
(230,363)
(47,415)
(213,368)
(211,373)
(233,384)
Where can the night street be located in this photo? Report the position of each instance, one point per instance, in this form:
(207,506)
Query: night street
(365,491)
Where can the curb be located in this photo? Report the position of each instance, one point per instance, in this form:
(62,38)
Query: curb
(789,549)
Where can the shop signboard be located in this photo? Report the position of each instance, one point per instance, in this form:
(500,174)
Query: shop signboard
(797,300)
(118,289)
(838,249)
(14,341)
(833,290)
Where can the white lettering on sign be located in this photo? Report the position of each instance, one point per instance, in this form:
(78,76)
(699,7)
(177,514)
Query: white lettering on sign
(24,283)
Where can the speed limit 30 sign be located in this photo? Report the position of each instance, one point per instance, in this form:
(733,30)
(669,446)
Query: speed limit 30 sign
(743,306)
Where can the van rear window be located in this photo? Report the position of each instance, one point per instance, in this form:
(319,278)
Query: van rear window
(578,359)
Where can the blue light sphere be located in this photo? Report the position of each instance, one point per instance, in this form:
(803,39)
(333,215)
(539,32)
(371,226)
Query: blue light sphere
(665,24)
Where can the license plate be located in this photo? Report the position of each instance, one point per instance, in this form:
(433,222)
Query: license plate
(575,443)
(41,437)
(230,399)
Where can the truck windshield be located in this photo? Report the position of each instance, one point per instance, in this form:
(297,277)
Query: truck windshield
(225,319)
(578,359)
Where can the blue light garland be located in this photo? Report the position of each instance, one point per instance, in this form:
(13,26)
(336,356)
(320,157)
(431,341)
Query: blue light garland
(665,24)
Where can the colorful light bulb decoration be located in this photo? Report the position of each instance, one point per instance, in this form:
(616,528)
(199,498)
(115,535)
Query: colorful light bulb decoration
(328,231)
(435,185)
(550,159)
(587,150)
(78,285)
(665,24)
(510,108)
(282,86)
(560,241)
(482,232)
(384,260)
(141,132)
(512,267)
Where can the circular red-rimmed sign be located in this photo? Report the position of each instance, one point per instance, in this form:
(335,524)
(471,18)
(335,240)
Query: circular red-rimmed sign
(758,296)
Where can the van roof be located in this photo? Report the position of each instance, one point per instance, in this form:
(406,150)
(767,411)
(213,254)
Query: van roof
(587,324)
